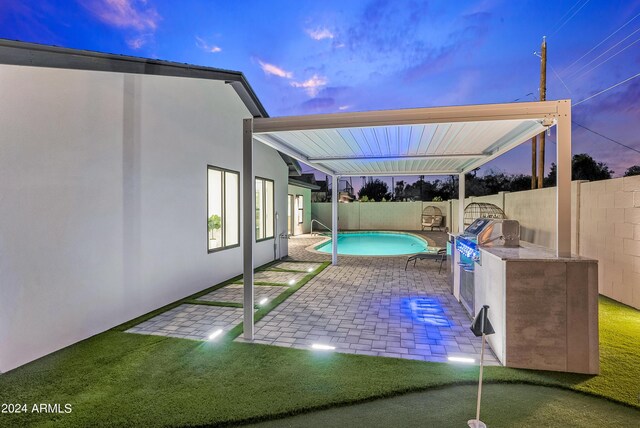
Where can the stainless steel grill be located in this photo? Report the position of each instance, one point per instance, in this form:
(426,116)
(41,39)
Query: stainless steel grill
(482,232)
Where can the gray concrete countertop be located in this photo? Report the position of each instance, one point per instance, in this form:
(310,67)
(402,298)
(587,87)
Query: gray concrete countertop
(527,251)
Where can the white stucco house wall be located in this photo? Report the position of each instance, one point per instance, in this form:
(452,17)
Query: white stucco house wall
(104,187)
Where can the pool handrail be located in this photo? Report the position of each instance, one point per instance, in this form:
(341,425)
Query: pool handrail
(321,224)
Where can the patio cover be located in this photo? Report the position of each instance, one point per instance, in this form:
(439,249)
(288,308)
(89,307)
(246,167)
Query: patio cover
(422,141)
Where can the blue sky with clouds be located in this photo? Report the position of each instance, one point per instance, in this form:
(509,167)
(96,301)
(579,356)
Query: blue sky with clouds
(304,57)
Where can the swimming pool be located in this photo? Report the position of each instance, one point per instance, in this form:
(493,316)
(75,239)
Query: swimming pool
(376,244)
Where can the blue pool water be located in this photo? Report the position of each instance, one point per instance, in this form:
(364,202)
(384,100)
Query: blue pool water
(376,244)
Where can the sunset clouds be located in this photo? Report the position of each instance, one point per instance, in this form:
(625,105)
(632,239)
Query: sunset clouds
(311,85)
(274,70)
(136,14)
(202,44)
(337,55)
(320,33)
(137,17)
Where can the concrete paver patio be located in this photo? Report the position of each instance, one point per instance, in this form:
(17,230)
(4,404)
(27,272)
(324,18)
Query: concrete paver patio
(372,306)
(365,305)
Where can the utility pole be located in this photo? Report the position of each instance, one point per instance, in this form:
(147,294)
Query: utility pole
(393,187)
(543,97)
(326,183)
(534,153)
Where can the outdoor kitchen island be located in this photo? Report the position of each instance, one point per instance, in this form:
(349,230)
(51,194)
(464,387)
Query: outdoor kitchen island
(544,308)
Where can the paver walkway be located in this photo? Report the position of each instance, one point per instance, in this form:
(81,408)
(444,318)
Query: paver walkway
(190,321)
(234,293)
(198,321)
(284,278)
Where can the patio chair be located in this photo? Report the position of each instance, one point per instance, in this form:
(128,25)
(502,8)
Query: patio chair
(431,217)
(439,256)
(432,221)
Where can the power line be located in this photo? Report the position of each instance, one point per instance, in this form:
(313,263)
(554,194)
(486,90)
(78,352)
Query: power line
(568,11)
(560,78)
(571,17)
(605,90)
(596,58)
(599,44)
(601,135)
(529,94)
(611,57)
(605,137)
(589,129)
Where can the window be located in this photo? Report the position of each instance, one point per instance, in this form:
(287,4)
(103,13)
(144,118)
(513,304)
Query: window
(300,205)
(223,210)
(264,208)
(290,204)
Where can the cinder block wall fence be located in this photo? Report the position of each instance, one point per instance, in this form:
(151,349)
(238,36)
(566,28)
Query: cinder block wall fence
(605,225)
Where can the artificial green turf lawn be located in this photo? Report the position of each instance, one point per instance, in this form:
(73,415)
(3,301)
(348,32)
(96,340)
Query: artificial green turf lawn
(514,405)
(121,379)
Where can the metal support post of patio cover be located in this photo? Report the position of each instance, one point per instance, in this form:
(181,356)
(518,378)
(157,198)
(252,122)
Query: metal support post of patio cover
(563,179)
(248,225)
(334,220)
(461,195)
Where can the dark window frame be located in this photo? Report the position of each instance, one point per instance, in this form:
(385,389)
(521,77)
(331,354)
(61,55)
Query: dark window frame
(224,208)
(264,204)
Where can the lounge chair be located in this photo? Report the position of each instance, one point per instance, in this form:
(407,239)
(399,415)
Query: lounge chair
(439,256)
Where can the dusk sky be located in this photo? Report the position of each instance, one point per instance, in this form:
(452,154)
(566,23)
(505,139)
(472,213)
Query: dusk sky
(304,57)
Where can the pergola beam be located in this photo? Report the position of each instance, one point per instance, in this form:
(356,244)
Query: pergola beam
(418,116)
(526,135)
(274,143)
(398,157)
(396,173)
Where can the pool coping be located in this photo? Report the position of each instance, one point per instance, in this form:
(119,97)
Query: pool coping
(312,248)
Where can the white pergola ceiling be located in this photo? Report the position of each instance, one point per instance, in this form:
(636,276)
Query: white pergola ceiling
(426,141)
(445,148)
